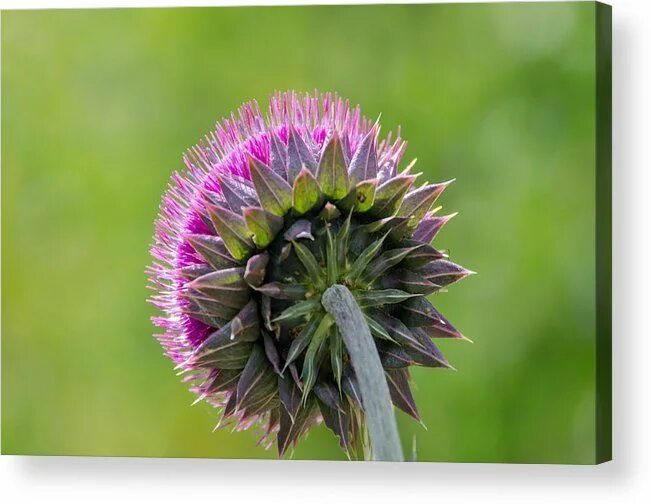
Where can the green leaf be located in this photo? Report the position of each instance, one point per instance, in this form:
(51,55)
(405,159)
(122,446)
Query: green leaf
(277,155)
(332,266)
(299,311)
(257,381)
(399,332)
(232,278)
(396,226)
(444,272)
(225,380)
(222,352)
(408,281)
(425,352)
(300,230)
(209,312)
(378,329)
(348,202)
(363,166)
(306,193)
(332,173)
(298,155)
(372,298)
(365,193)
(314,271)
(271,351)
(300,342)
(338,421)
(419,312)
(222,305)
(418,202)
(263,225)
(399,228)
(263,404)
(274,193)
(328,394)
(386,261)
(229,408)
(290,395)
(360,198)
(329,212)
(314,354)
(421,256)
(291,429)
(212,250)
(358,267)
(398,382)
(350,385)
(256,269)
(429,227)
(336,356)
(394,356)
(233,231)
(224,286)
(237,191)
(342,240)
(286,291)
(189,273)
(389,195)
(245,326)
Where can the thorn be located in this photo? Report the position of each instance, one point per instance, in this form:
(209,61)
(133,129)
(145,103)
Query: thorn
(410,166)
(199,399)
(465,338)
(183,371)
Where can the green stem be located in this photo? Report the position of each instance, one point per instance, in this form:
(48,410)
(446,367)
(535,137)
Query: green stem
(378,409)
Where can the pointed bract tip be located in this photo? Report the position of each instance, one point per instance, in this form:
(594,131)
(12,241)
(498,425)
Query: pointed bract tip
(410,166)
(465,338)
(199,399)
(183,366)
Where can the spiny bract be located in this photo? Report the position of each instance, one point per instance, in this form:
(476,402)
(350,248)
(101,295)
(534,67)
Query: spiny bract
(270,212)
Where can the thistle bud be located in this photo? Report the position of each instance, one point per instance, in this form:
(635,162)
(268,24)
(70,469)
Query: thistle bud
(271,211)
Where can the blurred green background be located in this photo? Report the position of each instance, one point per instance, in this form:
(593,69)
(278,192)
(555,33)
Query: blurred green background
(97,107)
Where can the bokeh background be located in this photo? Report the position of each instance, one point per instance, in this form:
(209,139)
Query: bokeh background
(97,107)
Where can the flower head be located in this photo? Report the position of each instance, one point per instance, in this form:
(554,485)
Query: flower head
(271,211)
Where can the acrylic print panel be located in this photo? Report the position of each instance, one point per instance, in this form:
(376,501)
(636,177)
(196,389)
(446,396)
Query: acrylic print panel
(301,192)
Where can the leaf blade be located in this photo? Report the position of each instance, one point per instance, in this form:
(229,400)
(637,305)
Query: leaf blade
(274,193)
(332,173)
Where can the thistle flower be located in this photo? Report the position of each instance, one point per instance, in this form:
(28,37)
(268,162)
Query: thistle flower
(271,211)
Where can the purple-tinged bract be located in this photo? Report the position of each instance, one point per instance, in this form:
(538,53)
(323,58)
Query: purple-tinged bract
(273,209)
